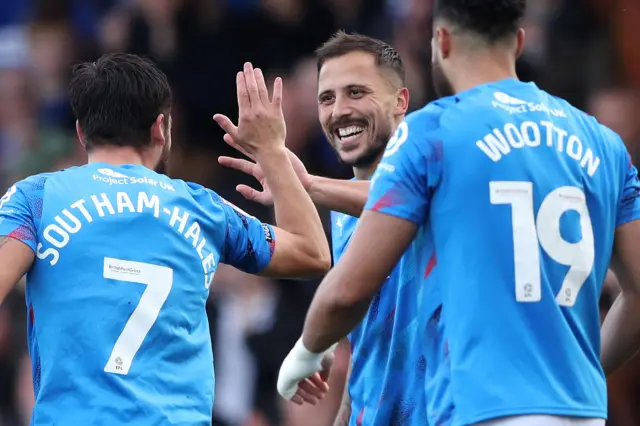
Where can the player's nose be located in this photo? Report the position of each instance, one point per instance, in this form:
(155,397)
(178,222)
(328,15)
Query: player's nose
(342,108)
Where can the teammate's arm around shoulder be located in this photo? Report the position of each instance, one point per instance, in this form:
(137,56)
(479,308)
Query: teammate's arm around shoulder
(621,328)
(17,237)
(343,196)
(299,246)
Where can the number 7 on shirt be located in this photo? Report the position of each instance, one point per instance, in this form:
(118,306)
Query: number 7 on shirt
(159,280)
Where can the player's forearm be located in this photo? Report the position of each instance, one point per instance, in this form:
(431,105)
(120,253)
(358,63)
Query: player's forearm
(331,317)
(294,210)
(621,332)
(343,196)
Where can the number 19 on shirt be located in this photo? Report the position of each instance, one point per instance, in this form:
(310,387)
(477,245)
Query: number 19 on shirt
(544,229)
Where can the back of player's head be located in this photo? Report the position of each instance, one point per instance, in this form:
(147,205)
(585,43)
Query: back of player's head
(341,43)
(492,20)
(117,99)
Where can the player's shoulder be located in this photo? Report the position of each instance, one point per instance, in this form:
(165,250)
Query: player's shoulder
(436,117)
(428,117)
(590,123)
(35,184)
(200,192)
(194,189)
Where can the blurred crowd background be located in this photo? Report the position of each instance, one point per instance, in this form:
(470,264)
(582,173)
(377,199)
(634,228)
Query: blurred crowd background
(586,51)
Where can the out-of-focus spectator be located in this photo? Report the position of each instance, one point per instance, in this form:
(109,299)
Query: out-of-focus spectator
(619,109)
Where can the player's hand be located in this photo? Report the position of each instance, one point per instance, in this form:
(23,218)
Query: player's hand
(252,168)
(261,127)
(303,375)
(315,388)
(310,391)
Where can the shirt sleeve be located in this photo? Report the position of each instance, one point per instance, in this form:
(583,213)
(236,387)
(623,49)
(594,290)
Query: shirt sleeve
(249,243)
(410,169)
(629,206)
(20,208)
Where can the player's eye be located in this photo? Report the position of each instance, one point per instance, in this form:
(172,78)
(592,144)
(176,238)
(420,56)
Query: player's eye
(326,99)
(355,92)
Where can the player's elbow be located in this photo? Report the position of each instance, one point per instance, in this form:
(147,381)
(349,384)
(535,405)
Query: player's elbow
(324,264)
(314,254)
(299,258)
(316,258)
(318,262)
(300,255)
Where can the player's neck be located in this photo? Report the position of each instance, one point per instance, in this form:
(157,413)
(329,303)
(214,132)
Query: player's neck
(364,173)
(116,155)
(486,69)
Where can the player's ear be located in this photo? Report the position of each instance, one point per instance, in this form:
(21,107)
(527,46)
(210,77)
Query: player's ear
(520,42)
(402,101)
(80,134)
(158,127)
(441,42)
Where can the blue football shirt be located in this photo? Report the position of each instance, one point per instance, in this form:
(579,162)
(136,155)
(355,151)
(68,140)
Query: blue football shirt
(117,329)
(523,193)
(388,367)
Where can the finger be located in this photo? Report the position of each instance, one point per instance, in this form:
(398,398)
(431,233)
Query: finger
(238,164)
(277,93)
(232,143)
(324,375)
(327,362)
(226,124)
(319,382)
(248,192)
(313,390)
(244,102)
(307,397)
(262,86)
(297,399)
(252,85)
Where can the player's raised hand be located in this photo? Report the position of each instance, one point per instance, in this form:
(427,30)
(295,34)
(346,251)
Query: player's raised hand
(261,127)
(254,169)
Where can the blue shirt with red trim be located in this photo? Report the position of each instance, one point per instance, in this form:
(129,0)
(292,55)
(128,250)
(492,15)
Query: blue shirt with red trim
(124,258)
(386,386)
(522,193)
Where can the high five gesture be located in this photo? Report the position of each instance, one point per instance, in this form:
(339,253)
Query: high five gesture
(300,241)
(261,128)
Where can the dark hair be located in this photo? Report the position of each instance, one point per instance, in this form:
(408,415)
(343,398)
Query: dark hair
(493,20)
(342,43)
(117,98)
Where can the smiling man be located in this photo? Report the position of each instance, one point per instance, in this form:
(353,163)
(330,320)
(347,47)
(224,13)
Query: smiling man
(361,100)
